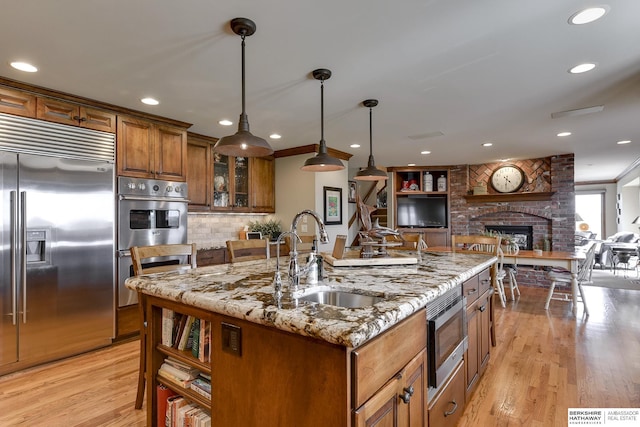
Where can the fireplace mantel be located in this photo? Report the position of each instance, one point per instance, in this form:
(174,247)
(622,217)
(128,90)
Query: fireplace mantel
(514,197)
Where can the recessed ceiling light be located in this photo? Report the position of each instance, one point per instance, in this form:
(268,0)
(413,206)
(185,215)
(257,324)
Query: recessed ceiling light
(582,68)
(504,160)
(411,164)
(587,15)
(626,141)
(355,146)
(225,122)
(487,144)
(425,152)
(275,136)
(150,101)
(564,134)
(23,66)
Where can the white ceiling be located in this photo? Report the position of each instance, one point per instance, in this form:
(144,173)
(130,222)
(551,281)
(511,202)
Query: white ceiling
(476,71)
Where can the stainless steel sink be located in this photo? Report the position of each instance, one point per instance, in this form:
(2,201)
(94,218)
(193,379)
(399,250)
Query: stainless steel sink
(342,299)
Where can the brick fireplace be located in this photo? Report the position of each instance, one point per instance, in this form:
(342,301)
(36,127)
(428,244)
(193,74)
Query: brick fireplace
(551,217)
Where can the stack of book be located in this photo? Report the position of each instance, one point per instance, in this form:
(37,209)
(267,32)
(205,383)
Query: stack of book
(202,385)
(181,413)
(185,332)
(178,372)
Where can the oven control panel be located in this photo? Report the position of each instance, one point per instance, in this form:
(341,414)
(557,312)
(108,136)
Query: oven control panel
(151,188)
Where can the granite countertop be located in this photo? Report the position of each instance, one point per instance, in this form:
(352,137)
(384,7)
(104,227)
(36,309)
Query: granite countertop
(245,291)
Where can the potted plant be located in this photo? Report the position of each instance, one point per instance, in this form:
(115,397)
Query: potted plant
(270,228)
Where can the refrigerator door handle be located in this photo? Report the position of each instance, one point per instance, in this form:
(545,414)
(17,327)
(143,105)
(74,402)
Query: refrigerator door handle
(23,258)
(14,250)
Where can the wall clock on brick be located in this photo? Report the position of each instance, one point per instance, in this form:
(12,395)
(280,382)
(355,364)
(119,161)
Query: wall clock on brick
(507,179)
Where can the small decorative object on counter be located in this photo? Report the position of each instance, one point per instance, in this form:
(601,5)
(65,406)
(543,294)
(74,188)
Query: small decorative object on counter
(428,182)
(442,183)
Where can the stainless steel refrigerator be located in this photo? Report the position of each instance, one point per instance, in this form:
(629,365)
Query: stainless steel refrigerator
(57,241)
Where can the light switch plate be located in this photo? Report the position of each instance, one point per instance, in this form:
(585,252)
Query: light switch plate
(231,339)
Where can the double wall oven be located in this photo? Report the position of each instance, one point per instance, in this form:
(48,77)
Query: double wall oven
(446,337)
(150,212)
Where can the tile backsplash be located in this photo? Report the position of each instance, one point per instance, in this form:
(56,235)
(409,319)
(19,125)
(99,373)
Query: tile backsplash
(208,230)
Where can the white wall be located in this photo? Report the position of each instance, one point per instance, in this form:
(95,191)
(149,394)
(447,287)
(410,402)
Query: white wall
(297,190)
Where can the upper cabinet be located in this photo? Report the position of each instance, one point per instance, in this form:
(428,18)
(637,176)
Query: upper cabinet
(69,113)
(13,101)
(149,150)
(228,184)
(199,174)
(21,103)
(263,184)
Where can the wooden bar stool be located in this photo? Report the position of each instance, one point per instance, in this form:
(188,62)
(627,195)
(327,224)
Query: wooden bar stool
(156,259)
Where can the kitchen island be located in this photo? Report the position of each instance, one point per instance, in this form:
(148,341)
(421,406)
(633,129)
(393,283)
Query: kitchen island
(291,362)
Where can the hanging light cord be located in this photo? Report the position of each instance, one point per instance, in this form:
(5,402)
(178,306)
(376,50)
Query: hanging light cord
(243,97)
(370,131)
(322,110)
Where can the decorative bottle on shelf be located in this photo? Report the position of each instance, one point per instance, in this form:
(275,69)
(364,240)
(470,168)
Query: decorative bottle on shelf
(427,182)
(442,183)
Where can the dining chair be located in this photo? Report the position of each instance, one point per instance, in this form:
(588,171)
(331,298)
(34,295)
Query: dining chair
(303,245)
(247,250)
(156,259)
(564,276)
(489,245)
(411,242)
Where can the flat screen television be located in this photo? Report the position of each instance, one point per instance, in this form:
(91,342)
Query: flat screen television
(422,211)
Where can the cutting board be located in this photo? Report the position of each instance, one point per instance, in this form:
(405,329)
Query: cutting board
(352,259)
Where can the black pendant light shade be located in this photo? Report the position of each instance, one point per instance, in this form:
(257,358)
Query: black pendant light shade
(243,143)
(322,162)
(371,172)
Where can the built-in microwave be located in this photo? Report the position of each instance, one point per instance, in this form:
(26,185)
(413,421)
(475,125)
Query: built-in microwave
(446,336)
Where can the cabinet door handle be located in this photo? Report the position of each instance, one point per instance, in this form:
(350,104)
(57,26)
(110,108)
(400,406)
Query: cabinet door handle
(483,308)
(406,396)
(76,118)
(455,407)
(83,119)
(472,291)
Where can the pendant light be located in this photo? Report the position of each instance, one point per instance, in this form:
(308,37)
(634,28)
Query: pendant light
(322,162)
(243,143)
(371,172)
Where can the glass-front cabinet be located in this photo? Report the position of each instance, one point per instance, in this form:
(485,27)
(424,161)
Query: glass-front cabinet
(230,183)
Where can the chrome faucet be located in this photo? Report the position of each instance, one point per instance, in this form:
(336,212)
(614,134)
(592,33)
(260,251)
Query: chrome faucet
(277,279)
(294,268)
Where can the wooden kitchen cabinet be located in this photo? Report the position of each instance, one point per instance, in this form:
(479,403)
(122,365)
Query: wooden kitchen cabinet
(263,184)
(199,172)
(478,292)
(149,150)
(221,183)
(13,101)
(447,406)
(401,402)
(69,113)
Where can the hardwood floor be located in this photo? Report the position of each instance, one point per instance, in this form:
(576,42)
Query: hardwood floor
(93,389)
(544,364)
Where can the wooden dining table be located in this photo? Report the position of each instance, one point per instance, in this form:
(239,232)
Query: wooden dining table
(559,259)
